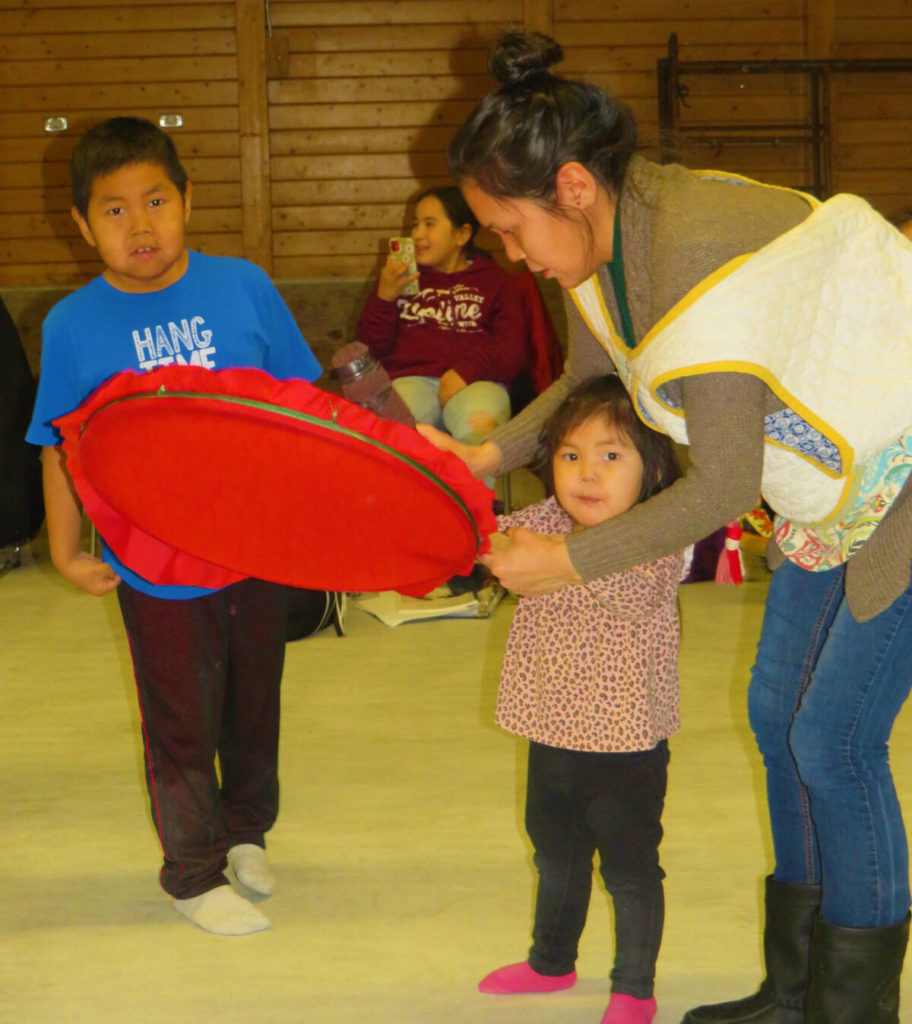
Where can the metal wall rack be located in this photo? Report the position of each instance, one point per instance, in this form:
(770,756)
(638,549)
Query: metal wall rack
(814,132)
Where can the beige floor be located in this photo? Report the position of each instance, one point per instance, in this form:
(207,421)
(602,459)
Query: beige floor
(403,872)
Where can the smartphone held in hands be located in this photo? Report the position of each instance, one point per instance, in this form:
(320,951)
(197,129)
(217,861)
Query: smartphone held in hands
(403,251)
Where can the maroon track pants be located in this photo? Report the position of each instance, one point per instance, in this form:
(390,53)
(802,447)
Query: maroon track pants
(208,672)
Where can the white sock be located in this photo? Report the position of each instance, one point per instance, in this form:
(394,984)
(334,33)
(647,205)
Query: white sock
(248,862)
(222,912)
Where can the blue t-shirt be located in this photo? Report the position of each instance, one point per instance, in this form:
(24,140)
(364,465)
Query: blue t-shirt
(222,313)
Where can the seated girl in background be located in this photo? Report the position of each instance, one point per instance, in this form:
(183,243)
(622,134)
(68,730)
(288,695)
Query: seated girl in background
(452,349)
(590,677)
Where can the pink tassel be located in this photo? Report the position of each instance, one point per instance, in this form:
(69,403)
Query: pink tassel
(729,568)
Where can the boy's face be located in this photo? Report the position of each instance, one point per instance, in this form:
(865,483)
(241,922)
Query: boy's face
(136,220)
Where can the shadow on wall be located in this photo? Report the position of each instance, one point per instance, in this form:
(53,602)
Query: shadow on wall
(55,175)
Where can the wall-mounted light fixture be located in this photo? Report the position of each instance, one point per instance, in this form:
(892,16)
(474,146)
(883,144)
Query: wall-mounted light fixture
(56,124)
(170,120)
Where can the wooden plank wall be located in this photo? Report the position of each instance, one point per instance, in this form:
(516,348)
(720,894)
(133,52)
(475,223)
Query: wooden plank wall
(89,60)
(752,31)
(309,124)
(369,95)
(873,113)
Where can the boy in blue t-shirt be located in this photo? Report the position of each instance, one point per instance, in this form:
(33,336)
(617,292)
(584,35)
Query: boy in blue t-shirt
(208,664)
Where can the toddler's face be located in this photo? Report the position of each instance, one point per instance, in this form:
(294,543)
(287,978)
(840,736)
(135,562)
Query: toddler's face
(136,220)
(598,472)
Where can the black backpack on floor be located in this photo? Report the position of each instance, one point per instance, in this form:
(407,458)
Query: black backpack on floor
(310,611)
(21,497)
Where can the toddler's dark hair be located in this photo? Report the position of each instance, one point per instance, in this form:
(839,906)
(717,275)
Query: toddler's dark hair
(606,396)
(516,139)
(115,143)
(458,212)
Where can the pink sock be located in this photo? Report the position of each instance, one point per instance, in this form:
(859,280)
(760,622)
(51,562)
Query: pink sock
(517,978)
(627,1010)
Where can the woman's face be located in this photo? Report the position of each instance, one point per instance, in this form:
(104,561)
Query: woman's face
(557,246)
(438,242)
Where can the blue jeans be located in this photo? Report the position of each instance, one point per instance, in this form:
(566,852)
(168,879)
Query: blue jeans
(824,694)
(420,395)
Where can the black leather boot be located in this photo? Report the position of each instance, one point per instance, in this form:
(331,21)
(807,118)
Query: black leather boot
(790,912)
(855,974)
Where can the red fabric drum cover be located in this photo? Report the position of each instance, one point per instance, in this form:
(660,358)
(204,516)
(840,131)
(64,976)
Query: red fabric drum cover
(203,477)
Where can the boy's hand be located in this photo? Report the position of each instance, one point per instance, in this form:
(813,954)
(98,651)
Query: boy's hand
(394,276)
(89,574)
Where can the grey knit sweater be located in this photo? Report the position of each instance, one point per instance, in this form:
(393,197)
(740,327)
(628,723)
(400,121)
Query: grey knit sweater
(676,228)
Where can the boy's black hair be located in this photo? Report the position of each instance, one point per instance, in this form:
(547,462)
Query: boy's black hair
(606,396)
(115,143)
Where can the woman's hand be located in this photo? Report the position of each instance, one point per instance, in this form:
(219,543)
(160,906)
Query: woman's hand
(533,564)
(394,276)
(89,574)
(450,384)
(482,459)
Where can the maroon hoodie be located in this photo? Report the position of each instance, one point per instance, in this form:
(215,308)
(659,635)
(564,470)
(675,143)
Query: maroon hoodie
(472,321)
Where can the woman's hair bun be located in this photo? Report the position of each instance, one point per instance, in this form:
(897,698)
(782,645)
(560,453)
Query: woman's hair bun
(520,56)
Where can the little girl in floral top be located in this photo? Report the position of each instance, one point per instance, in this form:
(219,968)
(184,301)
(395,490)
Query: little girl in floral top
(590,678)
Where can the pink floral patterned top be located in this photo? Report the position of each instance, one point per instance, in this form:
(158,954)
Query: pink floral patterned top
(595,666)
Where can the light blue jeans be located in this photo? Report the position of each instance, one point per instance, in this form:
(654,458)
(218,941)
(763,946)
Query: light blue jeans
(420,395)
(824,694)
